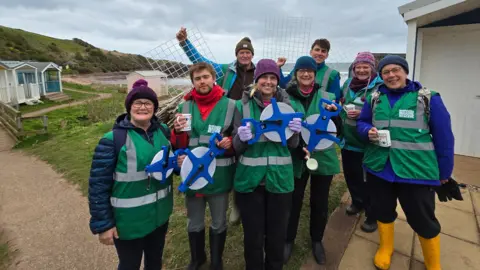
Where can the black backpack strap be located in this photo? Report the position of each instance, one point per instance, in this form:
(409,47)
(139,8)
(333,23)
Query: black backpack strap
(165,131)
(119,139)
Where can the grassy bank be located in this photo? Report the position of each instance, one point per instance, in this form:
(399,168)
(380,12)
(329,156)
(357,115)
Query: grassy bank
(6,254)
(74,133)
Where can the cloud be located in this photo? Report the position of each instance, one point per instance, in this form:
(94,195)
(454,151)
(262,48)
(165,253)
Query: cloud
(140,25)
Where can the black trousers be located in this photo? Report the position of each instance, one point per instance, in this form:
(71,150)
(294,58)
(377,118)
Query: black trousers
(319,189)
(357,186)
(264,218)
(417,201)
(130,251)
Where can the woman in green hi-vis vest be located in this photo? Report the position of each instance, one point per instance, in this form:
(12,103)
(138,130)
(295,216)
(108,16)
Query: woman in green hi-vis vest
(264,176)
(211,112)
(409,157)
(128,208)
(305,95)
(363,82)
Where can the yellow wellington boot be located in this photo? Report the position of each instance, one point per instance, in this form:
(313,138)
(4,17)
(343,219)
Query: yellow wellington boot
(383,257)
(431,252)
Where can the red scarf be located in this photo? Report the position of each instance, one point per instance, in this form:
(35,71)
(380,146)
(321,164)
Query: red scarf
(207,102)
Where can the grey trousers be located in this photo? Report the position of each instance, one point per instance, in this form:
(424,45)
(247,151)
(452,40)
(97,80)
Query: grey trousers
(218,205)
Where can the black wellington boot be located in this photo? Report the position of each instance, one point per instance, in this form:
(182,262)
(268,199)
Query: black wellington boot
(197,249)
(217,244)
(287,251)
(319,253)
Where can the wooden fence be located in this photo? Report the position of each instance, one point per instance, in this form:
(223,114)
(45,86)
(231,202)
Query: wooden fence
(12,119)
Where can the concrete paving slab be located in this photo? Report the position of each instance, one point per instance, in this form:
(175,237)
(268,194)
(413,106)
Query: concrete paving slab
(458,223)
(465,205)
(454,253)
(466,170)
(360,254)
(403,236)
(475,194)
(401,214)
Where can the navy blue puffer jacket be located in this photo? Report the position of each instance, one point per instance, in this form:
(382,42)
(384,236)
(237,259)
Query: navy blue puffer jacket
(101,174)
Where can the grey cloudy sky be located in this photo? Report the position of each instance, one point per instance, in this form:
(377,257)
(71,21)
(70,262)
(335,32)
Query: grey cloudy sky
(136,26)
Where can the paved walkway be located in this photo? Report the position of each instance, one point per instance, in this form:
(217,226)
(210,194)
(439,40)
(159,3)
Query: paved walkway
(66,105)
(460,239)
(45,217)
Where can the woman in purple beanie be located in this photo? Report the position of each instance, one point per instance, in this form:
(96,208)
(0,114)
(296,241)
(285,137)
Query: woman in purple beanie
(264,176)
(364,81)
(128,208)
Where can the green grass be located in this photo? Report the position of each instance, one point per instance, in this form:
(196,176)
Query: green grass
(96,88)
(75,96)
(69,147)
(6,252)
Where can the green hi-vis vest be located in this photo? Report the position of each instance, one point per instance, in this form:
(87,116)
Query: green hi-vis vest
(219,120)
(350,125)
(140,205)
(228,77)
(263,162)
(327,159)
(324,76)
(412,153)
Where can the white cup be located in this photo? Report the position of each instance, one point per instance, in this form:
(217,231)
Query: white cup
(312,164)
(384,138)
(188,117)
(349,107)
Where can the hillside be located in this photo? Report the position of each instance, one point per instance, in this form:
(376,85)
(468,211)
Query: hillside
(81,57)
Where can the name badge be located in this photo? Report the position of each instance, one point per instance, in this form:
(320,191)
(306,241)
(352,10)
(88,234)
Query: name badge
(406,114)
(212,129)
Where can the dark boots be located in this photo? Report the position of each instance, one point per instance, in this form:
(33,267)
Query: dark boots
(217,243)
(197,249)
(319,253)
(287,251)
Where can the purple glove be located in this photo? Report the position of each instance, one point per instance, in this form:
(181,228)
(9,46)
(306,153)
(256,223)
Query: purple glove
(245,133)
(295,125)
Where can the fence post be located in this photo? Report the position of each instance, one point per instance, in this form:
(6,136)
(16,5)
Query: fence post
(45,123)
(19,124)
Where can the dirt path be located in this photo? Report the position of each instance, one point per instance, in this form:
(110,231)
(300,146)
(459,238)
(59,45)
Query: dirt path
(46,217)
(61,106)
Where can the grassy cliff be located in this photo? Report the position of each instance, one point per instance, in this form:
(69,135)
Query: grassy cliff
(80,56)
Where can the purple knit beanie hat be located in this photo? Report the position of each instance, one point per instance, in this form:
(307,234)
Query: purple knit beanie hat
(139,90)
(366,58)
(266,66)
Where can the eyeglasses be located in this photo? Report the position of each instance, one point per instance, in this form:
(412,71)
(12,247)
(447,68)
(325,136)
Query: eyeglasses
(307,71)
(394,70)
(138,105)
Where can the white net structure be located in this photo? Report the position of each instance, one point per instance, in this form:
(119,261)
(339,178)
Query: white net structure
(286,37)
(174,59)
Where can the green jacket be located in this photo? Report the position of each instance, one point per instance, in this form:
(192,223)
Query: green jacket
(412,153)
(219,120)
(327,159)
(353,142)
(264,162)
(140,205)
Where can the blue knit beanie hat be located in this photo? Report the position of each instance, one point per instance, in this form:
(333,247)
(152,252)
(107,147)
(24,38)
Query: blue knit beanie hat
(395,60)
(305,62)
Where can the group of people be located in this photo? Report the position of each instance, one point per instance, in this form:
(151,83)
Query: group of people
(131,210)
